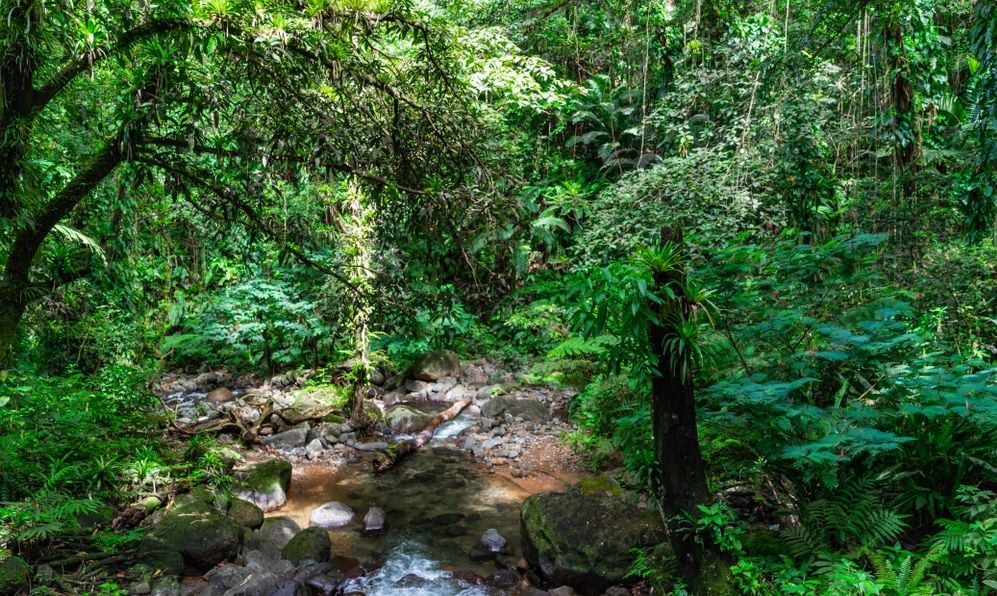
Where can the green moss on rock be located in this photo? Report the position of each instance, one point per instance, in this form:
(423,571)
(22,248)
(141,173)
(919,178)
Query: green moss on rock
(14,575)
(311,544)
(265,484)
(600,484)
(586,540)
(203,538)
(245,513)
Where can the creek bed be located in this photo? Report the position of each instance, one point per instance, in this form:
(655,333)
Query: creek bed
(438,503)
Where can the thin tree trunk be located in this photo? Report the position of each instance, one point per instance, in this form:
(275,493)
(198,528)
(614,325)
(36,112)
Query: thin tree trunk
(681,480)
(905,150)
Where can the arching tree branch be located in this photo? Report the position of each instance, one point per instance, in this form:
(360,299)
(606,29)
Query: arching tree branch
(70,71)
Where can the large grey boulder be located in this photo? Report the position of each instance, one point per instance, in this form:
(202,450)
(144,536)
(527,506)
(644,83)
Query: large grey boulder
(527,409)
(404,419)
(265,484)
(436,365)
(289,439)
(585,540)
(202,536)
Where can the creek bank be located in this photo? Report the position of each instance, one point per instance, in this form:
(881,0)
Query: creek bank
(512,428)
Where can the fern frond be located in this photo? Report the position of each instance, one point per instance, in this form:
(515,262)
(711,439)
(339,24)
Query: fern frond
(920,570)
(78,237)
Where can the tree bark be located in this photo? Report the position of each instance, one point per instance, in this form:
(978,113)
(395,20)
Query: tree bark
(11,311)
(29,238)
(680,483)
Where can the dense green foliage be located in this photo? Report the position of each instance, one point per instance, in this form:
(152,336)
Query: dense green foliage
(248,185)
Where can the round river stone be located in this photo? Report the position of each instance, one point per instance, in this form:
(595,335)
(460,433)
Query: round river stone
(332,515)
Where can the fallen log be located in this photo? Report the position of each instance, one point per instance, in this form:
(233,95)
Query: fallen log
(398,450)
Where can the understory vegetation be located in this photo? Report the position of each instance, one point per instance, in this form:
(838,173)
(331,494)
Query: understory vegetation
(275,187)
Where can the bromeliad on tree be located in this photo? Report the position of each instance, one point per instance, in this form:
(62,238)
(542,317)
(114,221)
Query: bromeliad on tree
(656,313)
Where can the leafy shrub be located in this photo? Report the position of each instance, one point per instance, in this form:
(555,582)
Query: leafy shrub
(257,323)
(65,442)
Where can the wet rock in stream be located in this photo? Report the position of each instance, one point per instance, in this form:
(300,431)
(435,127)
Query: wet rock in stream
(312,544)
(375,520)
(586,540)
(332,515)
(265,484)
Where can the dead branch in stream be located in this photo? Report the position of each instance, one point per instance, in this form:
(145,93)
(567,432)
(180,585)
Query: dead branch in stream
(385,461)
(249,435)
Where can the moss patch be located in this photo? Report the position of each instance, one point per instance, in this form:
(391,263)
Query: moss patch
(319,397)
(245,513)
(586,540)
(14,575)
(313,544)
(600,484)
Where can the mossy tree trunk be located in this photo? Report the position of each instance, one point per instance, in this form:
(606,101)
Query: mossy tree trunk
(358,224)
(680,482)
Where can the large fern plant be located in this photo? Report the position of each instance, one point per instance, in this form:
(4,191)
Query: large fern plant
(853,517)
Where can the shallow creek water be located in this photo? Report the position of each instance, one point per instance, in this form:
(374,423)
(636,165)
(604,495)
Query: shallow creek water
(438,502)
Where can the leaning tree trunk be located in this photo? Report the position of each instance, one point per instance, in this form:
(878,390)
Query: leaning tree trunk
(29,238)
(681,473)
(12,301)
(11,310)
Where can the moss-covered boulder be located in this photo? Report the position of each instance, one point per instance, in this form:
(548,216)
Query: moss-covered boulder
(265,484)
(311,544)
(202,536)
(14,575)
(436,365)
(245,513)
(585,540)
